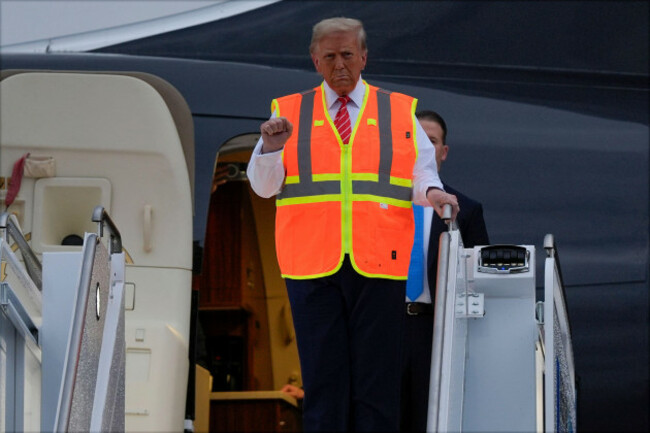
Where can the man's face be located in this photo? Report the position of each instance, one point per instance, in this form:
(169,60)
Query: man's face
(435,134)
(340,60)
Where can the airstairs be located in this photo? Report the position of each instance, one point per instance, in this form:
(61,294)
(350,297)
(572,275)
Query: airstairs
(62,349)
(501,360)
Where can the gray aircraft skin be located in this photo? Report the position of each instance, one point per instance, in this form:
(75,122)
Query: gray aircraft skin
(569,158)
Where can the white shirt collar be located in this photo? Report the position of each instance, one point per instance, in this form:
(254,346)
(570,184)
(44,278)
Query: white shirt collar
(355,95)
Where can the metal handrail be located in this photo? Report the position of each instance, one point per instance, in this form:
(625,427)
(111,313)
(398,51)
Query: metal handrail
(446,217)
(101,217)
(84,293)
(18,315)
(9,227)
(557,309)
(439,320)
(551,251)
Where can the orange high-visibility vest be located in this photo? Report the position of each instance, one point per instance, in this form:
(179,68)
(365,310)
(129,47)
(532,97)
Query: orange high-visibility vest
(347,198)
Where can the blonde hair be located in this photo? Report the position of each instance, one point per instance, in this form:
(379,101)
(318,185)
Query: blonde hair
(338,24)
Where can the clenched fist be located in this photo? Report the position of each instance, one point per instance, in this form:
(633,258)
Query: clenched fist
(275,133)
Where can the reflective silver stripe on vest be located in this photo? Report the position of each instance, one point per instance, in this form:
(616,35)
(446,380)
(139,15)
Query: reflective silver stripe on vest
(306,186)
(385,136)
(304,139)
(312,188)
(382,188)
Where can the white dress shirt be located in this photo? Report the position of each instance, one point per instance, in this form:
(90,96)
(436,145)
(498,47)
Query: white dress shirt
(266,171)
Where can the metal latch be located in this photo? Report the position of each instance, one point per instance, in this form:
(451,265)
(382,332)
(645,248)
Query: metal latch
(470,305)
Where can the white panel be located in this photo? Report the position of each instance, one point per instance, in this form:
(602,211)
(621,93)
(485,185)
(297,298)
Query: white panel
(32,386)
(60,280)
(138,364)
(500,373)
(155,401)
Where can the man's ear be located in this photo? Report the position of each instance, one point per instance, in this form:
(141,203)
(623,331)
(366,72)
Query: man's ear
(445,151)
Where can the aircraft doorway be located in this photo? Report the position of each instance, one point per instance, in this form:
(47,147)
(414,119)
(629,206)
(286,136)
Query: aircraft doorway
(244,312)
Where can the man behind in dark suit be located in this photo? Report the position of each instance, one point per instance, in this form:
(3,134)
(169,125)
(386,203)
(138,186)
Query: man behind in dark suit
(418,326)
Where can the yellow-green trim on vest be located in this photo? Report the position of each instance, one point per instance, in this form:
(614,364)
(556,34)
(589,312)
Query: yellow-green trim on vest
(309,199)
(382,200)
(312,276)
(339,198)
(414,105)
(346,170)
(401,181)
(368,177)
(366,274)
(326,176)
(275,106)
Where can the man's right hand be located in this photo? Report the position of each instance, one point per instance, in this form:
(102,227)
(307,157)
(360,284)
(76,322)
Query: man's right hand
(438,198)
(275,133)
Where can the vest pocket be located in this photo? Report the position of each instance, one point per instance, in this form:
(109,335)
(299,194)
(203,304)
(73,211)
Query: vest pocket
(383,238)
(392,252)
(308,240)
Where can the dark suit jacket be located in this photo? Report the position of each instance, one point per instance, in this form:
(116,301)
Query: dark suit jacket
(472,231)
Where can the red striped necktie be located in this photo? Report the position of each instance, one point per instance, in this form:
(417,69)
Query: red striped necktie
(342,120)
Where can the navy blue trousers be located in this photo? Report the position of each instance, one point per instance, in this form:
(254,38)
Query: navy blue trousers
(349,332)
(416,371)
